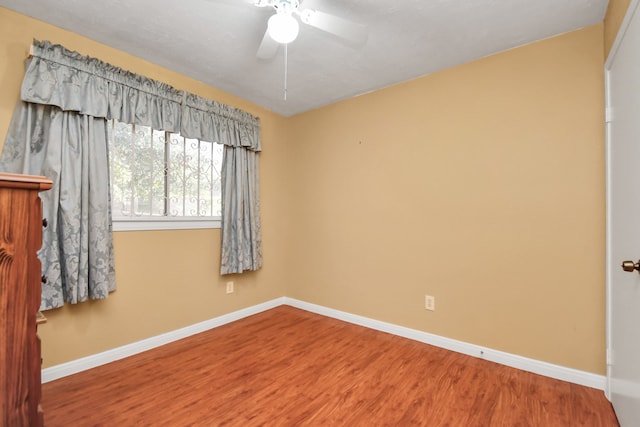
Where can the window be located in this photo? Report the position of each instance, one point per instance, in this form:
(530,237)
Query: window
(162,180)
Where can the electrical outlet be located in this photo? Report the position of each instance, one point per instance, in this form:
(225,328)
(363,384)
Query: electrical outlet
(429,302)
(229,287)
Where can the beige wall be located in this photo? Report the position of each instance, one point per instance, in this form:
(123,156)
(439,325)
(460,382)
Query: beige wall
(482,185)
(166,279)
(615,14)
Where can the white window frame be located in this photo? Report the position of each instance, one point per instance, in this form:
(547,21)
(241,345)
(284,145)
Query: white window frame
(150,223)
(165,223)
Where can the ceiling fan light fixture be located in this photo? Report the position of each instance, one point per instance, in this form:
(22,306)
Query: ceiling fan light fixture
(283,28)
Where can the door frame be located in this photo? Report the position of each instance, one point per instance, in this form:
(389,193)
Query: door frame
(609,113)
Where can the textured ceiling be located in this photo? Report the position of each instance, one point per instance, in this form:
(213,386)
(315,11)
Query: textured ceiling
(215,41)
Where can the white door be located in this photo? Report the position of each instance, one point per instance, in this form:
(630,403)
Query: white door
(623,220)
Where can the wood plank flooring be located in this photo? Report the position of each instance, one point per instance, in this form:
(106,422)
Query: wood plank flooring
(288,367)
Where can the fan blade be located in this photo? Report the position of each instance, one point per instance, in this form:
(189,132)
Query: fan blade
(268,47)
(343,28)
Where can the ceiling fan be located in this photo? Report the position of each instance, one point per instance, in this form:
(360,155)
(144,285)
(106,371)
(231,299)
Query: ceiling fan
(283,27)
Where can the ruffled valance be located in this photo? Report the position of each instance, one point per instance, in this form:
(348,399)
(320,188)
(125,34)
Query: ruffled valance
(74,82)
(211,121)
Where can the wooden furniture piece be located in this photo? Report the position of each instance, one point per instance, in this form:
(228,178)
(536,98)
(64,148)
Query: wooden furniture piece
(20,288)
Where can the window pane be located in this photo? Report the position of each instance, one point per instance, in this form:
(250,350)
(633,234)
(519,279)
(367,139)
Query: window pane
(176,175)
(208,165)
(155,177)
(212,177)
(158,173)
(120,152)
(194,177)
(141,170)
(191,177)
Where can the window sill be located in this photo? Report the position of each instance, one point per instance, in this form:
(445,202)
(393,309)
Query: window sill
(164,223)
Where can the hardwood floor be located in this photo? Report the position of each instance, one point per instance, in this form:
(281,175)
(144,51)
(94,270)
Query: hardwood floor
(288,367)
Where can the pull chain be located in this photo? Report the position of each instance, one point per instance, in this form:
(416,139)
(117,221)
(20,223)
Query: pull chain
(286,64)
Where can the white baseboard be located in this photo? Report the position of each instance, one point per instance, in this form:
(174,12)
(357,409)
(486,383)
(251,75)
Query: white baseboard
(95,360)
(519,362)
(530,365)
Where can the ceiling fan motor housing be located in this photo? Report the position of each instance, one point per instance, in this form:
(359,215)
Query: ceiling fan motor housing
(281,6)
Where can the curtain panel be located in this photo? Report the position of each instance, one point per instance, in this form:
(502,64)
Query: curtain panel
(59,130)
(240,133)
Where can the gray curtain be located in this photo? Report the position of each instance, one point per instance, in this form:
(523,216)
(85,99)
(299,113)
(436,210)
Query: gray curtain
(241,242)
(71,150)
(240,133)
(59,130)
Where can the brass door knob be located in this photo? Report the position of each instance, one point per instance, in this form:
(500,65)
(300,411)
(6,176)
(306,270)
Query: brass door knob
(630,265)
